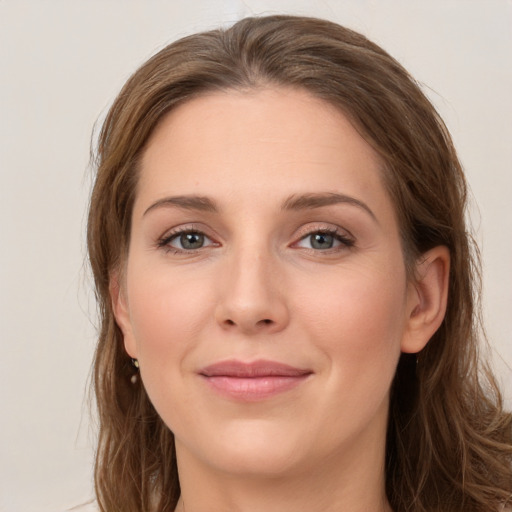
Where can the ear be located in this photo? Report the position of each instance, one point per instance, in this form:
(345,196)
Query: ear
(427,298)
(122,313)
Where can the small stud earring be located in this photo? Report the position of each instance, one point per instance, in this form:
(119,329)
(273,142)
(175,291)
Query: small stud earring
(135,376)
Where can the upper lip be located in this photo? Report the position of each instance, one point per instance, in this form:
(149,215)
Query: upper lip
(260,368)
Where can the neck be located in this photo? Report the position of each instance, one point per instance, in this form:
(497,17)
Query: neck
(350,481)
(300,495)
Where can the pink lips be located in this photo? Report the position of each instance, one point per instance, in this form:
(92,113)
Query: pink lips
(253,381)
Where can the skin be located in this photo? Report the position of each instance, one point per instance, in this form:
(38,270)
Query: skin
(258,289)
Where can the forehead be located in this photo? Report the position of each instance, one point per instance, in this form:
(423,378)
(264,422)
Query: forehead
(260,142)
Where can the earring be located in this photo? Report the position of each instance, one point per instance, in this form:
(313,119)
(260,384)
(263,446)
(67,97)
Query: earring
(135,376)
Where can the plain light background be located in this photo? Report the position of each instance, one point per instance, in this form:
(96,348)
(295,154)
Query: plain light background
(61,64)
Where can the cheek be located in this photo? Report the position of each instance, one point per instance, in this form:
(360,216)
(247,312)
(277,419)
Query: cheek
(358,322)
(165,308)
(167,314)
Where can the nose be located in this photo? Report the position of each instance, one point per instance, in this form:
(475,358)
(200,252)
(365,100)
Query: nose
(251,295)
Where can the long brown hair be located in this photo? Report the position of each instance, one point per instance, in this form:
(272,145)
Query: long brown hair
(449,444)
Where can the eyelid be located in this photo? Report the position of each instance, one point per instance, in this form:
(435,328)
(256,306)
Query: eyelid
(173,233)
(343,236)
(322,227)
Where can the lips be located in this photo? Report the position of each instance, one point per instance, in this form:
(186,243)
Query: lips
(252,381)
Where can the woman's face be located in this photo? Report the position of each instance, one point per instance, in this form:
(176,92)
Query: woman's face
(265,293)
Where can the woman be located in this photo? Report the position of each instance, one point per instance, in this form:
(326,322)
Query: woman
(278,242)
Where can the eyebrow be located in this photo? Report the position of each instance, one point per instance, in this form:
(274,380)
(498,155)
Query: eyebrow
(295,202)
(199,203)
(308,201)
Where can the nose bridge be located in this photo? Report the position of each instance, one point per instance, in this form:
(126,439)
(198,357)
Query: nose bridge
(251,271)
(251,297)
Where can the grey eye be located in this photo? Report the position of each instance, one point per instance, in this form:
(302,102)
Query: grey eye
(321,241)
(186,241)
(324,240)
(191,240)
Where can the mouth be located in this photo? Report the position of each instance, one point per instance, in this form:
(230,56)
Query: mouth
(254,381)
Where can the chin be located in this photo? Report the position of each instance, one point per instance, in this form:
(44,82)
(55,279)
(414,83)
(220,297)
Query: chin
(255,448)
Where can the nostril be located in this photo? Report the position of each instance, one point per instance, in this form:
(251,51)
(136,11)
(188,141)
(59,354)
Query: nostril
(267,321)
(230,322)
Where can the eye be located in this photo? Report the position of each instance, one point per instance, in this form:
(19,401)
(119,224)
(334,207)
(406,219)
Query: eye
(323,240)
(187,240)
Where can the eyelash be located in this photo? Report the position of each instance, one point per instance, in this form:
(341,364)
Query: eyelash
(164,242)
(345,241)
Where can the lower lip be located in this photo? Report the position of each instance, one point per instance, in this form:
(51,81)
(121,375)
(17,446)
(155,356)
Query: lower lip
(253,389)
